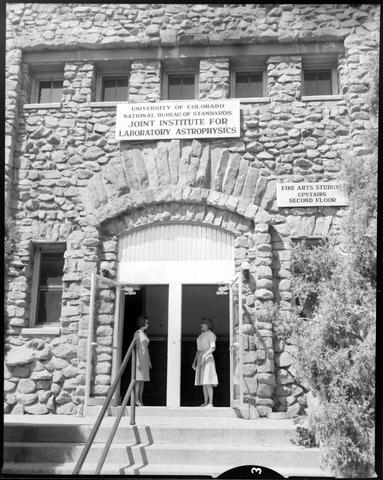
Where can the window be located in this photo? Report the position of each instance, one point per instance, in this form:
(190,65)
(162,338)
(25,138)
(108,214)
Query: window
(47,83)
(317,82)
(248,84)
(50,91)
(114,89)
(47,284)
(181,86)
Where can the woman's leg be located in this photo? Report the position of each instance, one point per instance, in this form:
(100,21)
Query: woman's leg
(205,396)
(138,390)
(209,391)
(141,392)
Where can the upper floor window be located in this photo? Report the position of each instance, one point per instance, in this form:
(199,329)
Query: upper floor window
(317,82)
(248,84)
(320,75)
(50,91)
(114,89)
(180,86)
(47,286)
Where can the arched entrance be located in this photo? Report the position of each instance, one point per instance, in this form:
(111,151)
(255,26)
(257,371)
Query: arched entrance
(175,269)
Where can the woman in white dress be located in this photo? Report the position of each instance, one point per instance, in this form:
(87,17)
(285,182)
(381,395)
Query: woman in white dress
(204,364)
(143,364)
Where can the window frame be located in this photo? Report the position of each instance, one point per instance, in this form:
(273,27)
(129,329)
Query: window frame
(334,85)
(38,249)
(165,84)
(43,77)
(233,83)
(113,74)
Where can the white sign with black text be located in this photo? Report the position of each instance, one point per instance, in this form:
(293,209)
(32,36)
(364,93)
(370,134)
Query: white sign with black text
(318,194)
(175,120)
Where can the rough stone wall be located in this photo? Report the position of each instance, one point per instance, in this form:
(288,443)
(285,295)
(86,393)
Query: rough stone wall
(214,78)
(73,178)
(145,81)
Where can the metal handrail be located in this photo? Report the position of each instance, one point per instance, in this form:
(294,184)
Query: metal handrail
(101,415)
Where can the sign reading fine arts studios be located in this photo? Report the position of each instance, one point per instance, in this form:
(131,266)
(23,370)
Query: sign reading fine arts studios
(320,194)
(174,120)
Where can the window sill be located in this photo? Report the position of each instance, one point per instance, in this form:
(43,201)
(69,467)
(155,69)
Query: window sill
(241,100)
(321,98)
(106,104)
(253,99)
(45,330)
(30,106)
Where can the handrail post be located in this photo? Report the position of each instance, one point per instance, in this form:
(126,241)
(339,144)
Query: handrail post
(132,420)
(101,415)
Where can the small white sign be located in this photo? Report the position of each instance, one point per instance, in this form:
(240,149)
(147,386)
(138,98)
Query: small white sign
(174,120)
(320,194)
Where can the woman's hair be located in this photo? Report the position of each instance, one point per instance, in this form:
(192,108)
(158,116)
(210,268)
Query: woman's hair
(141,320)
(208,322)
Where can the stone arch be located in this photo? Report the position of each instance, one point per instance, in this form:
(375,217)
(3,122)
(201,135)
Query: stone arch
(179,171)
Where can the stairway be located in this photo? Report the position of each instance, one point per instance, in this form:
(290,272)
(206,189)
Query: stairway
(174,441)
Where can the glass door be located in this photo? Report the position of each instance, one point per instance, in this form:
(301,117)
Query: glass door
(236,344)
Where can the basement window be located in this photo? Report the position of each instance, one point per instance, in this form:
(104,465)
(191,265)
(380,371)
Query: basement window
(47,285)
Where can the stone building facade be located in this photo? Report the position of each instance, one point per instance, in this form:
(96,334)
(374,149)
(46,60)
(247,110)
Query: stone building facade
(68,181)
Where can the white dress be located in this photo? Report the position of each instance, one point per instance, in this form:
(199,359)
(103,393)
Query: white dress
(205,372)
(143,358)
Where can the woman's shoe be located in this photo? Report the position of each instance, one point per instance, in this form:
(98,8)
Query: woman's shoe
(203,405)
(209,405)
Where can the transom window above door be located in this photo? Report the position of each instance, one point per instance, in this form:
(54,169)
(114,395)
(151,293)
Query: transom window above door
(169,252)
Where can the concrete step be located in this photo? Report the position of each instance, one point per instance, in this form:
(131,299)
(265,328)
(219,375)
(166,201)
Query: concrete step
(166,444)
(172,453)
(217,430)
(152,469)
(227,412)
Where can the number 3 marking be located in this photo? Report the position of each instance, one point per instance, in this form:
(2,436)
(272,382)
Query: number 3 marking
(256,470)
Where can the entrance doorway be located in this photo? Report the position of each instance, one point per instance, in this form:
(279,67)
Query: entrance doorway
(152,301)
(202,301)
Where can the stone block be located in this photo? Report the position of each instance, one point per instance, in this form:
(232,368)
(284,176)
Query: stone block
(26,386)
(55,388)
(264,410)
(26,398)
(284,359)
(264,272)
(67,409)
(19,356)
(249,369)
(9,386)
(265,283)
(264,294)
(64,351)
(63,397)
(41,375)
(264,390)
(38,409)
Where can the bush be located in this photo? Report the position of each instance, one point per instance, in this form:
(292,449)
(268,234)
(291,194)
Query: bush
(334,325)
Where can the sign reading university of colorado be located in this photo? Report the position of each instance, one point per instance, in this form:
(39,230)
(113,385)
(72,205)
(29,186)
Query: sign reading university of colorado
(320,194)
(174,120)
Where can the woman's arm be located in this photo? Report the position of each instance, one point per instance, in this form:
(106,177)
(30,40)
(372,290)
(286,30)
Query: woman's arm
(211,349)
(194,364)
